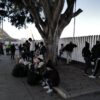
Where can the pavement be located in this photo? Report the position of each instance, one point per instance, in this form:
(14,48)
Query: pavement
(73,83)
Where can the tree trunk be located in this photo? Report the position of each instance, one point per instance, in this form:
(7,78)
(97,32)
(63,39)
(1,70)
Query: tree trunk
(52,49)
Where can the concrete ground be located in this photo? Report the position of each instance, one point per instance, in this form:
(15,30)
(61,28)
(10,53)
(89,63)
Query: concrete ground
(73,82)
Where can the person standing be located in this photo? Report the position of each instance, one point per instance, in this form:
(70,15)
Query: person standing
(87,57)
(12,49)
(61,50)
(32,48)
(96,58)
(43,50)
(1,49)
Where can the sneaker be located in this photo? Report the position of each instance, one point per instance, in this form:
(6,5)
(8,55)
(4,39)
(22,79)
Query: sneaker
(46,87)
(92,76)
(49,91)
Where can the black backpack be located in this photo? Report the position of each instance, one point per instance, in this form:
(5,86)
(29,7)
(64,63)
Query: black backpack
(20,70)
(33,77)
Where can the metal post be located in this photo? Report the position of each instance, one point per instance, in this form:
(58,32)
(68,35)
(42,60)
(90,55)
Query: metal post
(74,22)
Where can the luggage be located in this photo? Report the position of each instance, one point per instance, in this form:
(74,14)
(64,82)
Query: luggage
(20,70)
(33,77)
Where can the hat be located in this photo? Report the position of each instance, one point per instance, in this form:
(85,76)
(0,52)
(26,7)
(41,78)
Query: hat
(40,57)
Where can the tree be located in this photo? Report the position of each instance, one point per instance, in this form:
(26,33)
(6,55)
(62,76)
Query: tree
(47,16)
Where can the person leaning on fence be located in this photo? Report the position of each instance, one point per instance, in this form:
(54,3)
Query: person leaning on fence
(69,49)
(96,58)
(87,57)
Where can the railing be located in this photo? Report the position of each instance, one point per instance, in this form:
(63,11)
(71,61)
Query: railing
(80,42)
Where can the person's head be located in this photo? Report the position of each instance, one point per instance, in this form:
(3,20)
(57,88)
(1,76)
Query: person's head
(30,39)
(97,42)
(71,42)
(26,41)
(41,43)
(62,44)
(86,44)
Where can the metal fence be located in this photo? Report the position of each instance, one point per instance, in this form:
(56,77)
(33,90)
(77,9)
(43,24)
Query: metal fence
(80,42)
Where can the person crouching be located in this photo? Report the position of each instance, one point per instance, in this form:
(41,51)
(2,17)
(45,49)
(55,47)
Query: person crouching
(51,77)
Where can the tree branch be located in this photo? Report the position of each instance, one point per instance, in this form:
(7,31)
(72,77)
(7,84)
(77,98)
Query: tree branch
(68,15)
(57,13)
(40,30)
(46,7)
(77,12)
(70,7)
(24,2)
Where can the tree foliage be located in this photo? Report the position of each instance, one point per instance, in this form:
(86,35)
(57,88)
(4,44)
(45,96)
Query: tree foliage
(46,14)
(17,14)
(42,12)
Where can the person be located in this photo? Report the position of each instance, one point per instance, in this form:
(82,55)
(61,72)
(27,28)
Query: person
(8,49)
(20,49)
(1,49)
(96,58)
(61,50)
(12,49)
(43,50)
(27,50)
(38,61)
(50,77)
(35,70)
(21,67)
(32,48)
(87,57)
(69,49)
(95,51)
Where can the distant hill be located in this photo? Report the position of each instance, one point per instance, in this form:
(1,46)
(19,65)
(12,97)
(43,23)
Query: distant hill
(5,37)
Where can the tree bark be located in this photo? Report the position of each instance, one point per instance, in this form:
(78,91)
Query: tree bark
(52,48)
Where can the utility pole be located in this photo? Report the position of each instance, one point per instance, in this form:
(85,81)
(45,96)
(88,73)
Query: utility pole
(74,22)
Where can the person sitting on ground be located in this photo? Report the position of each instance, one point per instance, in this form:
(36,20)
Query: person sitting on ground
(50,77)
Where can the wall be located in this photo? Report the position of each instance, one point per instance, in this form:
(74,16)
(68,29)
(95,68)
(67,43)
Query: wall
(80,42)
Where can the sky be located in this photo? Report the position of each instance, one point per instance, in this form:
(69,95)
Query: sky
(87,23)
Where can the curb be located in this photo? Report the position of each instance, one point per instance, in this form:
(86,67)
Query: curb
(76,94)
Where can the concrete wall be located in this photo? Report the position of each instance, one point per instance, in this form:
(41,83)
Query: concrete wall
(80,42)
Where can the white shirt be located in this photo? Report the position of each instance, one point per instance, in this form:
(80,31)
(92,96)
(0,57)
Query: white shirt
(32,46)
